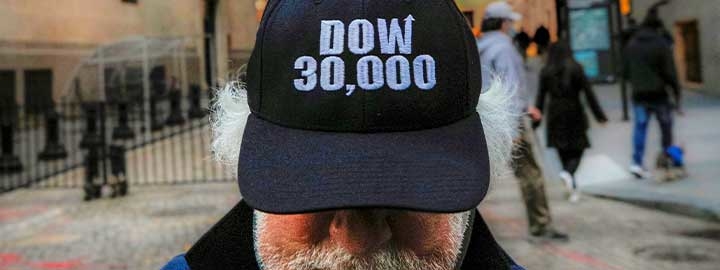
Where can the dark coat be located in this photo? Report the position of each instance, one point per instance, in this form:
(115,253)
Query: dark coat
(567,123)
(229,245)
(650,67)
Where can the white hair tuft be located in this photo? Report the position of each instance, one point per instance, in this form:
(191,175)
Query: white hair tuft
(500,124)
(230,111)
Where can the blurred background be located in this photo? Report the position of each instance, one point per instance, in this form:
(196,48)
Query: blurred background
(104,133)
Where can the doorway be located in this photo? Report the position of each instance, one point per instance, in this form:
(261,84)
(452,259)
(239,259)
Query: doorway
(689,51)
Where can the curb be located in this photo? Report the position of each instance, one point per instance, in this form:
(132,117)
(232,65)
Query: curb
(674,207)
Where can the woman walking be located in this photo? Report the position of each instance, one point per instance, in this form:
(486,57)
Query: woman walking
(562,81)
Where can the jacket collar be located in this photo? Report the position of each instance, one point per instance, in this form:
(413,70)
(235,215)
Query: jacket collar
(229,245)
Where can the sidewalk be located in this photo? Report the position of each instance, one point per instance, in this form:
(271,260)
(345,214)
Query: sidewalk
(51,229)
(603,171)
(54,229)
(604,234)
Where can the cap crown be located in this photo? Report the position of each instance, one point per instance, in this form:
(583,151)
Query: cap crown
(363,65)
(500,10)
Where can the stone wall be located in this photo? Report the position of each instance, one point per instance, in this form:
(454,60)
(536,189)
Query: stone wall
(57,35)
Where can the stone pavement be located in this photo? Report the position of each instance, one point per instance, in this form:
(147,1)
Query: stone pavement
(603,171)
(54,229)
(604,234)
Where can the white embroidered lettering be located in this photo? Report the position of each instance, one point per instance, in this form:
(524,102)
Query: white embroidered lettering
(361,43)
(397,73)
(393,37)
(370,73)
(308,65)
(424,68)
(332,73)
(332,37)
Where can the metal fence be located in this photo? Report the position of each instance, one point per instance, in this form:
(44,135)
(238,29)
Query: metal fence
(72,144)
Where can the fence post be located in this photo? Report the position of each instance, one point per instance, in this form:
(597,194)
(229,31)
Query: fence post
(53,148)
(158,87)
(92,188)
(155,124)
(118,163)
(175,118)
(91,137)
(123,131)
(195,97)
(9,162)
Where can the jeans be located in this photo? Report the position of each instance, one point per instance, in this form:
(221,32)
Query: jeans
(643,112)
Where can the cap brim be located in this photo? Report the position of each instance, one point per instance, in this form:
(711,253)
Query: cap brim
(515,16)
(285,170)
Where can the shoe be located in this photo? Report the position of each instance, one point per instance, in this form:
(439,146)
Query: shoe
(567,180)
(574,196)
(549,235)
(640,172)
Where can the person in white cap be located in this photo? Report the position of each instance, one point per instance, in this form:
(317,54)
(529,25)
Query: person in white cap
(500,59)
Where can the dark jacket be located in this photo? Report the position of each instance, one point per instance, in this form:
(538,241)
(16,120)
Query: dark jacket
(650,67)
(229,245)
(567,123)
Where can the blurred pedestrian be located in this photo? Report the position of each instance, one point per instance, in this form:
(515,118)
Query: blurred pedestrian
(522,41)
(650,68)
(628,32)
(499,57)
(562,81)
(542,39)
(653,15)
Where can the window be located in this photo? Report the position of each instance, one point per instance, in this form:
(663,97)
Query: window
(8,103)
(38,90)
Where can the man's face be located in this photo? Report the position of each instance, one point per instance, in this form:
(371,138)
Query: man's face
(359,240)
(507,26)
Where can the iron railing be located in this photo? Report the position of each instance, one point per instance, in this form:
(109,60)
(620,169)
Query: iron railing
(71,144)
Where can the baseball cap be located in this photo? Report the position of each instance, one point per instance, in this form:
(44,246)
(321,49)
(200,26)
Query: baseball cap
(501,10)
(359,104)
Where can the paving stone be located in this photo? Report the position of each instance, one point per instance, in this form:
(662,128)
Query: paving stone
(155,223)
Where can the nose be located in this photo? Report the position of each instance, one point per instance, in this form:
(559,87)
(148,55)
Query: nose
(360,232)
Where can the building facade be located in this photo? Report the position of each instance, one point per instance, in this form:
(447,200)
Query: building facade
(42,42)
(694,25)
(535,13)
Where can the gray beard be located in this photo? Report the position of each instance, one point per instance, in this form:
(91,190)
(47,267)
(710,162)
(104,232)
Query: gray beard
(389,258)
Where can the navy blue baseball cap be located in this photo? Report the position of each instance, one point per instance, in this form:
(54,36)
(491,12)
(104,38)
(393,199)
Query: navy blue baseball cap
(363,103)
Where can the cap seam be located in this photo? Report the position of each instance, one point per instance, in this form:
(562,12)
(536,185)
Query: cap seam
(364,93)
(455,9)
(267,24)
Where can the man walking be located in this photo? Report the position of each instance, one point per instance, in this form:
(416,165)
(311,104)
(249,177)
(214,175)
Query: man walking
(499,58)
(650,68)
